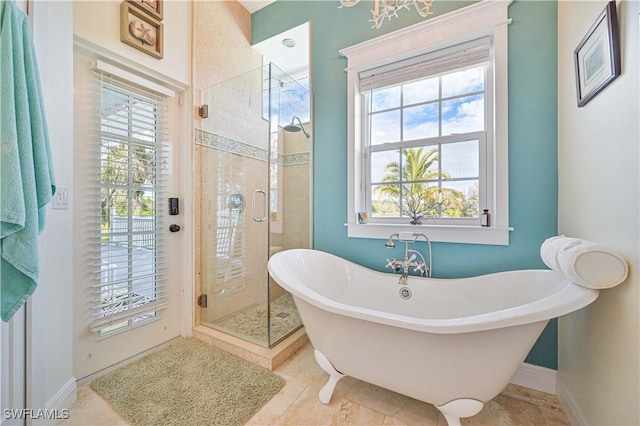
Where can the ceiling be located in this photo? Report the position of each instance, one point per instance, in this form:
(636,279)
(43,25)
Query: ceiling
(292,60)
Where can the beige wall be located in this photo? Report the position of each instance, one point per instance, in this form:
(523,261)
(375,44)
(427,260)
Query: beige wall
(599,200)
(222,42)
(99,22)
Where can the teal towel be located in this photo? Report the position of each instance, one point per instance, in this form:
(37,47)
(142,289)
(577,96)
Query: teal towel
(26,174)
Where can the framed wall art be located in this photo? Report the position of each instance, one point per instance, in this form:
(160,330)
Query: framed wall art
(597,57)
(139,30)
(152,7)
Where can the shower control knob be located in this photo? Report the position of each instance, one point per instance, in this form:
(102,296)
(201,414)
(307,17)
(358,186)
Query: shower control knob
(174,228)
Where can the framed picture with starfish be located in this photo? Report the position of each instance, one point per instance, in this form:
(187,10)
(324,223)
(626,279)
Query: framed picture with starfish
(152,7)
(139,30)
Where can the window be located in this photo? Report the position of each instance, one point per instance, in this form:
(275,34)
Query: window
(428,128)
(131,285)
(425,131)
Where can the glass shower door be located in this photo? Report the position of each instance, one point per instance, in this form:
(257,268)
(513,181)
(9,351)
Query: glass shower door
(232,150)
(253,197)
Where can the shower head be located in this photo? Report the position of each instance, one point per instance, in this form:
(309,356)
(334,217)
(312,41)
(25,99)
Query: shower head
(293,127)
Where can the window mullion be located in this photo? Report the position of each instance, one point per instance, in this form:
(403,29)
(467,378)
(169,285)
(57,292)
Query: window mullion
(401,124)
(130,206)
(439,147)
(440,195)
(440,106)
(400,164)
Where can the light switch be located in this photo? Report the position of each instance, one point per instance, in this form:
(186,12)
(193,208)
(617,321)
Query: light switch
(61,198)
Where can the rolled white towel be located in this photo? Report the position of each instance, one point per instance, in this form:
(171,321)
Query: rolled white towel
(551,247)
(591,265)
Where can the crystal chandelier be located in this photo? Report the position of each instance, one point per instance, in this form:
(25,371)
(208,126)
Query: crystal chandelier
(389,8)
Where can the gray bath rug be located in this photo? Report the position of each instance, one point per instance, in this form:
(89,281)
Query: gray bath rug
(188,383)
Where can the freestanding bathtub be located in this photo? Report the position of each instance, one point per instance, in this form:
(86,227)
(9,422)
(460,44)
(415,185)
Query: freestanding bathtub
(454,343)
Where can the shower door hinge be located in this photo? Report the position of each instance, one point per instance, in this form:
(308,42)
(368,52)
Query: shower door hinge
(202,300)
(203,111)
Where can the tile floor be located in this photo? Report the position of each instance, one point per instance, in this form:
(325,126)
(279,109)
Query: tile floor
(251,323)
(353,403)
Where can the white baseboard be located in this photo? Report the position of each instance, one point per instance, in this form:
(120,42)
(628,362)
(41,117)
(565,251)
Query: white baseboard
(535,377)
(65,397)
(87,379)
(569,406)
(58,407)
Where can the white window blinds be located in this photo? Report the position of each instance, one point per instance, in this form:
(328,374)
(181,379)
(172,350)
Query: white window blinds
(129,248)
(430,64)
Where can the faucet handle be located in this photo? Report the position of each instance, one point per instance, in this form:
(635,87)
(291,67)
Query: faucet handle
(407,260)
(391,263)
(422,268)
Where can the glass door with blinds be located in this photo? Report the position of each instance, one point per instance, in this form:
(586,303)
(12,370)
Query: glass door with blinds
(131,260)
(132,252)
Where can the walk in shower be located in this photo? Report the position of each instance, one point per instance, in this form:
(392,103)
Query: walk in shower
(253,199)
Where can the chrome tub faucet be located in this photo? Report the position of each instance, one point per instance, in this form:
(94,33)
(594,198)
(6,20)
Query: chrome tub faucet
(410,256)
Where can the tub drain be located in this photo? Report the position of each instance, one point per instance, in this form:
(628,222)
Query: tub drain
(405,293)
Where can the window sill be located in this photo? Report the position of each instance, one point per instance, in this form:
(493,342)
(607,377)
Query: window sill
(440,233)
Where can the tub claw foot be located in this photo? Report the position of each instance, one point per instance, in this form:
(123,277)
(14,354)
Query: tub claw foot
(334,377)
(454,410)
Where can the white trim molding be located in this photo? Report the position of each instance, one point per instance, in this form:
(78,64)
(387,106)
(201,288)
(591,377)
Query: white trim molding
(569,406)
(437,233)
(65,396)
(485,18)
(133,78)
(537,378)
(60,403)
(470,22)
(129,65)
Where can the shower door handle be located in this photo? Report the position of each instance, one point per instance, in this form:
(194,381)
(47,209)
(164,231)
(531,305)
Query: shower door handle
(264,197)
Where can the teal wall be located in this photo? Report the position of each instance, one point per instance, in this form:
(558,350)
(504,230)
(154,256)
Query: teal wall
(533,177)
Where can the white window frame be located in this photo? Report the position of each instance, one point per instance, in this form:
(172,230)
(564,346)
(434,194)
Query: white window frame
(485,18)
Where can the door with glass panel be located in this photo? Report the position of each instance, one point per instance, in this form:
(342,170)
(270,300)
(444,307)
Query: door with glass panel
(131,263)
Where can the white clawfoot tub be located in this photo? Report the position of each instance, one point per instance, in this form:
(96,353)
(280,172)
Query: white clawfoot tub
(455,343)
